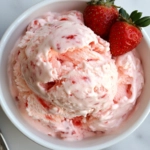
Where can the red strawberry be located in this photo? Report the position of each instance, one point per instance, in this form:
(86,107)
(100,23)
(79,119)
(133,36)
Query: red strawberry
(125,34)
(100,15)
(77,121)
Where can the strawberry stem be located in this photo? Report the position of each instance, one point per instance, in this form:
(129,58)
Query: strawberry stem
(107,3)
(134,18)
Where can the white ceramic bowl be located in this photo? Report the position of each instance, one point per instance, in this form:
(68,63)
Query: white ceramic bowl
(12,35)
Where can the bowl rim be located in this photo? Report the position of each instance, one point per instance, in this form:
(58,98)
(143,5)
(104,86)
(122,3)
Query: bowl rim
(15,121)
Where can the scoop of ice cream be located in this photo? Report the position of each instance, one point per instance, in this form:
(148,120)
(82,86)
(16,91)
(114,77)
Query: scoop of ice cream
(60,36)
(66,64)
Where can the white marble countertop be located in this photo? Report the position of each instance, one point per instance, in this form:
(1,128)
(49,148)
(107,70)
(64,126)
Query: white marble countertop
(9,11)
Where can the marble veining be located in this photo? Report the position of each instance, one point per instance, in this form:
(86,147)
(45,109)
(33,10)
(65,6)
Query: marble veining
(138,140)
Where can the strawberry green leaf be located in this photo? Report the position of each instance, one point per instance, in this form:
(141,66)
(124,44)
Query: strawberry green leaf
(136,16)
(124,14)
(110,1)
(143,22)
(107,3)
(92,2)
(133,13)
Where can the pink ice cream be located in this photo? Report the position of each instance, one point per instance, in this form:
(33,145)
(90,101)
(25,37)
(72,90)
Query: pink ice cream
(67,82)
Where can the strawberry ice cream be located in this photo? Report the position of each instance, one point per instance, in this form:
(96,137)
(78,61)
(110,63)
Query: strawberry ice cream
(67,82)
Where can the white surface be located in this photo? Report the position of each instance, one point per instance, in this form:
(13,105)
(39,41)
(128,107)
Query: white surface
(11,9)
